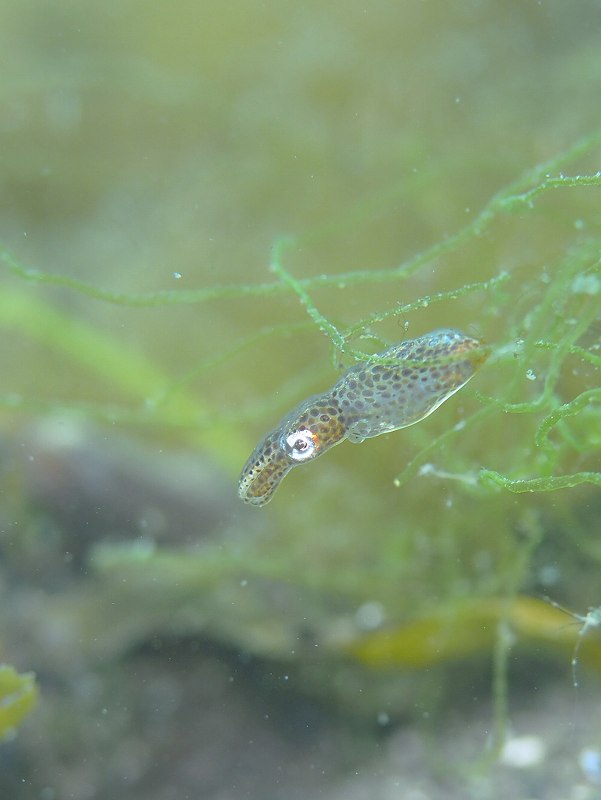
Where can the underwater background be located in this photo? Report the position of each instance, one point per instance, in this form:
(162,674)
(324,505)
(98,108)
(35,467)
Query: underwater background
(207,211)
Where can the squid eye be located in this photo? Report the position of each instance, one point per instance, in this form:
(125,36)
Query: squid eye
(300,445)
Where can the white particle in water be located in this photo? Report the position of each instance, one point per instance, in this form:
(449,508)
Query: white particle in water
(523,751)
(369,616)
(590,763)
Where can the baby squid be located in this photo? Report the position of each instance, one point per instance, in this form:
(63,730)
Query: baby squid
(406,384)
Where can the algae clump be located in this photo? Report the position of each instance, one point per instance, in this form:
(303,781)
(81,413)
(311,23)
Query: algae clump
(18,697)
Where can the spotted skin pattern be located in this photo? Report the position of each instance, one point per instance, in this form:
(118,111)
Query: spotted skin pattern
(369,399)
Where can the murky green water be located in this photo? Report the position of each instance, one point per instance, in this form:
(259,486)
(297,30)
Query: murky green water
(152,155)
